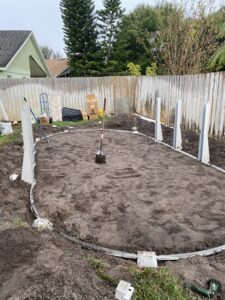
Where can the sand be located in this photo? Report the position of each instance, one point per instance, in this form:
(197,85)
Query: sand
(146,197)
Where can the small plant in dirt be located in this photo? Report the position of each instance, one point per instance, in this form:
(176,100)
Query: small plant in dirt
(157,284)
(18,222)
(100,268)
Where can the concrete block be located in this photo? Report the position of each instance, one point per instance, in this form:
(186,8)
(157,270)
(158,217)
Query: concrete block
(6,128)
(124,291)
(134,130)
(147,259)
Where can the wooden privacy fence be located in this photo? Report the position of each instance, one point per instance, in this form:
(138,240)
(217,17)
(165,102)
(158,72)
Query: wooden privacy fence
(71,92)
(193,90)
(126,94)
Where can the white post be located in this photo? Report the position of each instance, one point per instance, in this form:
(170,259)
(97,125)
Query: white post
(4,114)
(28,142)
(177,138)
(158,128)
(203,153)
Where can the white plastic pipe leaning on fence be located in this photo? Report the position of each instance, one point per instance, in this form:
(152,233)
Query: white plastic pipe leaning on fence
(158,128)
(28,143)
(4,114)
(177,139)
(203,153)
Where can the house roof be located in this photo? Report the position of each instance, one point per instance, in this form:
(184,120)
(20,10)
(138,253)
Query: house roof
(10,42)
(57,66)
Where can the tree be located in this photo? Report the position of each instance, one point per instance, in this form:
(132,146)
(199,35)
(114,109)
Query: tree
(57,54)
(152,70)
(134,69)
(49,53)
(217,61)
(80,37)
(129,45)
(185,39)
(109,23)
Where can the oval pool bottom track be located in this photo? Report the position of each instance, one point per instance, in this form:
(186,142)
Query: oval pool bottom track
(146,197)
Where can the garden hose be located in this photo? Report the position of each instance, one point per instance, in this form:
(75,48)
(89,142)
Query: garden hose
(214,285)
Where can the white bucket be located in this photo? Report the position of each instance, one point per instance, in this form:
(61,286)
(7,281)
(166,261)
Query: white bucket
(5,128)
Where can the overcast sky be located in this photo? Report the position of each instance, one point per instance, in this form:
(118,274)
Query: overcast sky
(43,18)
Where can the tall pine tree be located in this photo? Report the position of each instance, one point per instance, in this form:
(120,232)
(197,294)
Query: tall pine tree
(80,36)
(109,23)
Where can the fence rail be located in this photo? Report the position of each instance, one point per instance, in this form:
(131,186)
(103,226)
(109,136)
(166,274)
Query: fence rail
(125,94)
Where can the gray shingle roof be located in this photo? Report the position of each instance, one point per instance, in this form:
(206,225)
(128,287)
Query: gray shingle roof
(10,42)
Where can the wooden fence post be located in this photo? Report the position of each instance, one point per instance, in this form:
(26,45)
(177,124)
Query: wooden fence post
(177,138)
(158,128)
(28,142)
(203,153)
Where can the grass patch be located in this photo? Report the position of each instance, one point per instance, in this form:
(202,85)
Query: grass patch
(15,137)
(158,284)
(70,123)
(149,284)
(18,222)
(100,268)
(79,123)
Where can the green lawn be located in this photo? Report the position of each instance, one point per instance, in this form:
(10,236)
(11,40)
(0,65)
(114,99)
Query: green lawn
(79,123)
(149,284)
(158,284)
(14,137)
(69,123)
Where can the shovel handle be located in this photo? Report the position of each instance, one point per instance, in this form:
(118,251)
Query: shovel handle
(104,105)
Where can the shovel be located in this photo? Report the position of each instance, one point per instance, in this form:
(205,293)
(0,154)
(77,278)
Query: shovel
(100,157)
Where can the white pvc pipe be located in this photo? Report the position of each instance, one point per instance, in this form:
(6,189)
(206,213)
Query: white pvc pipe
(203,153)
(158,127)
(4,114)
(177,139)
(28,142)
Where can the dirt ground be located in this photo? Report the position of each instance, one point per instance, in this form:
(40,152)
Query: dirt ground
(190,139)
(133,202)
(36,265)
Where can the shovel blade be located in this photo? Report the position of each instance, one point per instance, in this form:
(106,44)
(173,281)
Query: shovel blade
(100,158)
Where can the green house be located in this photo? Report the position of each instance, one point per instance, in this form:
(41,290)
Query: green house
(20,56)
